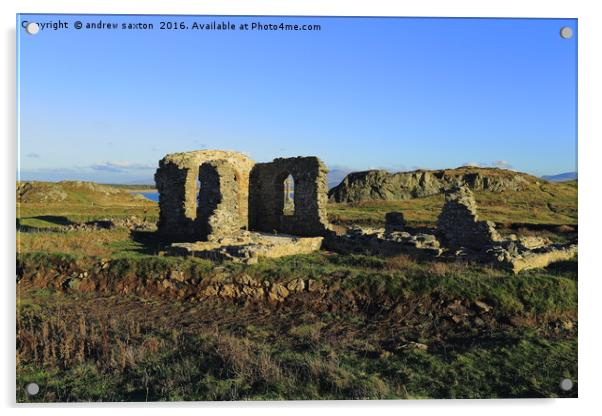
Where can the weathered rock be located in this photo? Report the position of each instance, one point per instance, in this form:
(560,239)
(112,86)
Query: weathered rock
(382,185)
(314,286)
(229,290)
(533,242)
(415,346)
(460,225)
(177,275)
(278,292)
(246,280)
(255,293)
(482,306)
(210,291)
(296,285)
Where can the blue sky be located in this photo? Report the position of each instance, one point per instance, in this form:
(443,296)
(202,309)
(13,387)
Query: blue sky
(361,93)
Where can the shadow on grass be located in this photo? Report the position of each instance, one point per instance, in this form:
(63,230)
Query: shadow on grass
(53,220)
(563,267)
(149,242)
(556,228)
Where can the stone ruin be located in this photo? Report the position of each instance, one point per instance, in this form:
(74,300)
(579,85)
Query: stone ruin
(220,204)
(267,204)
(218,178)
(223,206)
(459,223)
(394,221)
(459,234)
(462,230)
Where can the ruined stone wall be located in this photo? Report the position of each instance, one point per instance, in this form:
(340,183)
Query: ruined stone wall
(266,196)
(218,213)
(176,181)
(394,221)
(460,225)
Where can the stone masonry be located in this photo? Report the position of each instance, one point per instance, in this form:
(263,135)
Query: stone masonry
(221,205)
(211,194)
(394,221)
(267,201)
(218,213)
(460,225)
(224,186)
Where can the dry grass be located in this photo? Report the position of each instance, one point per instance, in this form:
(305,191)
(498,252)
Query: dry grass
(400,262)
(95,243)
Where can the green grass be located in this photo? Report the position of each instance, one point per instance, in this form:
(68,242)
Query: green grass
(355,338)
(545,204)
(80,348)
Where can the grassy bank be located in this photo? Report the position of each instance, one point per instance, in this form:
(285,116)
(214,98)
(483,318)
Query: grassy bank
(377,328)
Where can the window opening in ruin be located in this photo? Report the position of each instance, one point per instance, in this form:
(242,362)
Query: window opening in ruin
(289,196)
(198,193)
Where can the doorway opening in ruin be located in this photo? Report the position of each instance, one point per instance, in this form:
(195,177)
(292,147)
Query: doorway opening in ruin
(289,196)
(209,197)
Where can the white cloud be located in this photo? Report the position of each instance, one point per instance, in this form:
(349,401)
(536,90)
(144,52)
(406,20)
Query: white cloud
(502,164)
(121,166)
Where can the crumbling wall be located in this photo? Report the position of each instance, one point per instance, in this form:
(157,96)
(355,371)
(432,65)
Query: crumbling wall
(394,221)
(460,225)
(218,213)
(267,196)
(176,181)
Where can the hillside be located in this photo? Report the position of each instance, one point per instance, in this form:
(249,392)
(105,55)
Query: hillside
(502,196)
(77,192)
(561,177)
(381,185)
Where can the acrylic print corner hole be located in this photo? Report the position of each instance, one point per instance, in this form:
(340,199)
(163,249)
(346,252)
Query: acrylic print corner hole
(295,208)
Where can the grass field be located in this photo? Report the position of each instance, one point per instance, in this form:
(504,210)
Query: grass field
(377,328)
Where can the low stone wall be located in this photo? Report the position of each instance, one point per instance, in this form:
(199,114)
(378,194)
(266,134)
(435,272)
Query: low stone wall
(378,242)
(247,247)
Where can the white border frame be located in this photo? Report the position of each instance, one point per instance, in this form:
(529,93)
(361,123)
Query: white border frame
(590,71)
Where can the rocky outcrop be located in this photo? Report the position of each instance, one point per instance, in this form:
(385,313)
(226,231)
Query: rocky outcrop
(383,185)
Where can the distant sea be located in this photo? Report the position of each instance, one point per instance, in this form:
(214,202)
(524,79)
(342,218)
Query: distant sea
(153,196)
